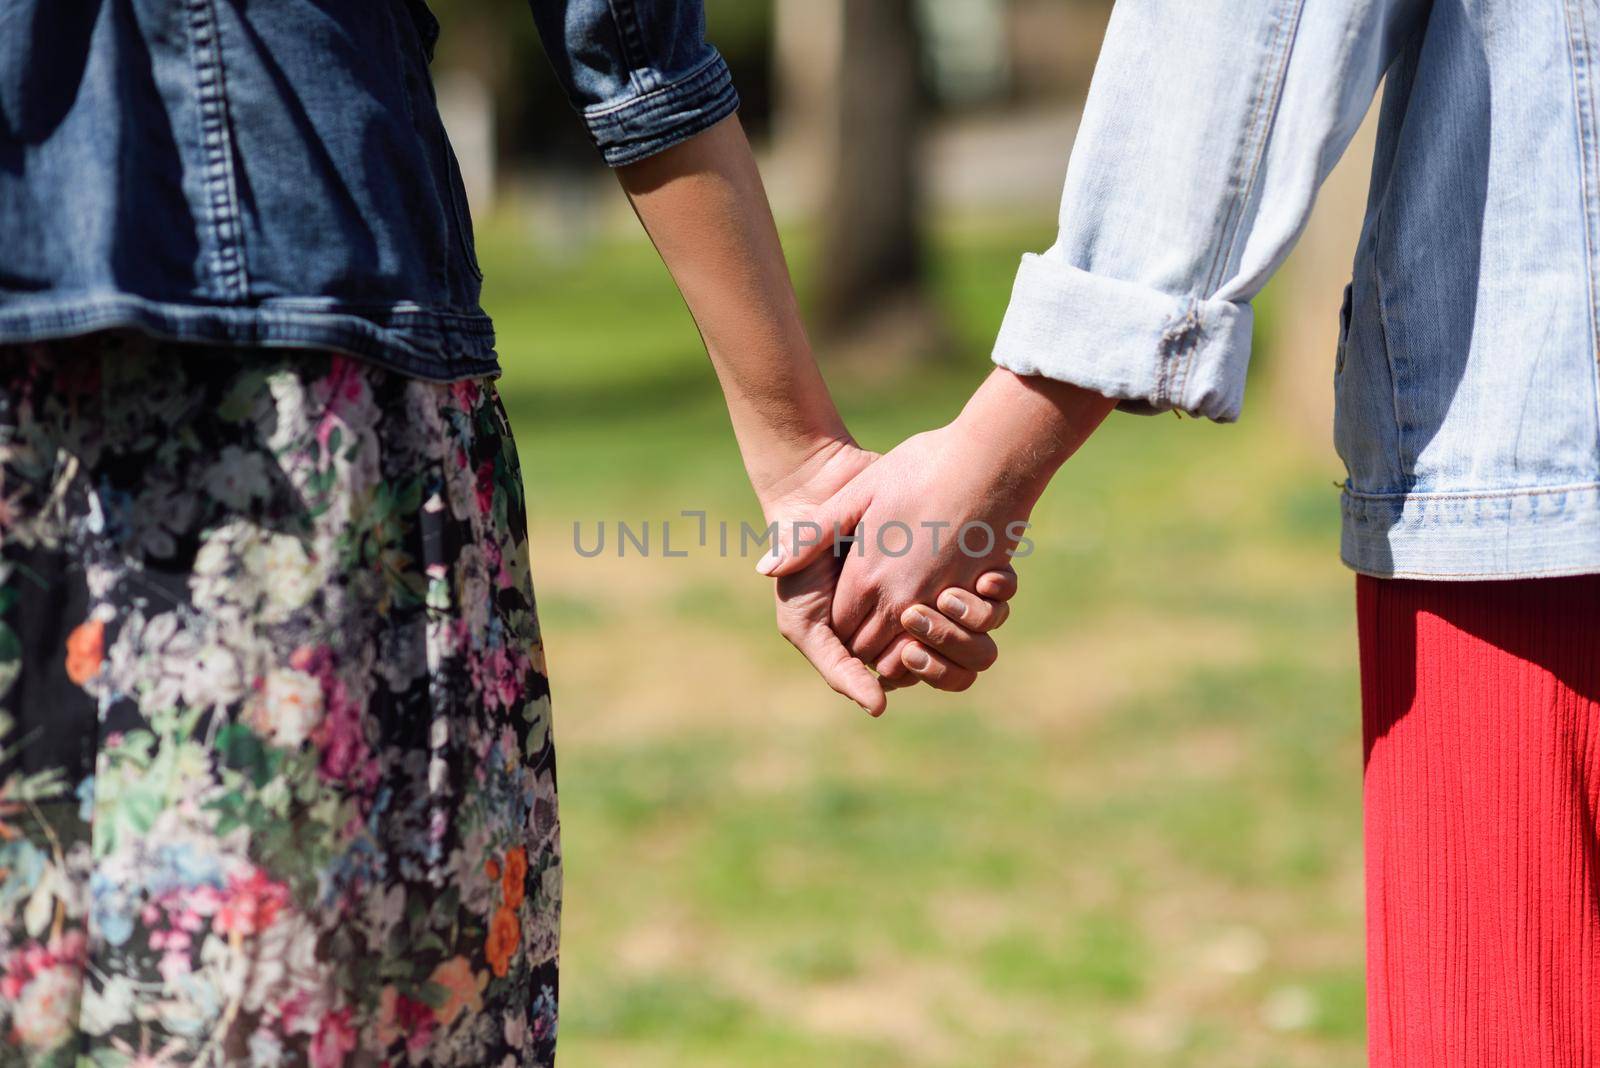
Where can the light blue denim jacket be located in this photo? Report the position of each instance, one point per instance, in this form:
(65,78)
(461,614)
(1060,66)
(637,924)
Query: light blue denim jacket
(1466,371)
(275,172)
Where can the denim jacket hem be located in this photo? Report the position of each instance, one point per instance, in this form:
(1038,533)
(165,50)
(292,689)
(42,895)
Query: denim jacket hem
(1538,532)
(1152,351)
(424,343)
(642,126)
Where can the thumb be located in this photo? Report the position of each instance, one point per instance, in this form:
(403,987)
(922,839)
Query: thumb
(847,675)
(799,543)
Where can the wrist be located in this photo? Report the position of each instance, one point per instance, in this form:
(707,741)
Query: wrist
(1031,425)
(782,413)
(789,466)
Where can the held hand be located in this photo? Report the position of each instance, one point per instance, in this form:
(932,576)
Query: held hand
(935,514)
(805,598)
(946,645)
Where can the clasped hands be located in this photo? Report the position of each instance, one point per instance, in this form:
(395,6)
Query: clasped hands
(927,579)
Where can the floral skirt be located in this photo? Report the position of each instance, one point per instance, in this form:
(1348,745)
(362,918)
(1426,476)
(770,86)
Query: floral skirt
(276,777)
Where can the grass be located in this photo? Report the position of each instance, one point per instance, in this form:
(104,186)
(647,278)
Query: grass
(1136,843)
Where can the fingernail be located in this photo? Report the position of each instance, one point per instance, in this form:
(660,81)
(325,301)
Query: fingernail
(916,659)
(952,605)
(918,622)
(769,563)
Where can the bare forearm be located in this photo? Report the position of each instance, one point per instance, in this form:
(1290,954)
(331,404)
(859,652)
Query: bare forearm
(703,204)
(1026,427)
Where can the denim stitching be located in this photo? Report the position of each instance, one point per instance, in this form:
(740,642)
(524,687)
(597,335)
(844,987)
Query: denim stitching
(1402,463)
(1263,112)
(630,34)
(1469,576)
(412,341)
(1264,109)
(1379,218)
(688,80)
(625,131)
(221,205)
(1477,495)
(1179,340)
(630,152)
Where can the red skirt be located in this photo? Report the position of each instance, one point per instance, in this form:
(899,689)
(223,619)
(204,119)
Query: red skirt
(1481,710)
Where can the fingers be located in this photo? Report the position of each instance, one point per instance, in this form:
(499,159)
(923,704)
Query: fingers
(969,650)
(937,670)
(873,637)
(997,585)
(799,543)
(976,616)
(971,612)
(892,672)
(847,675)
(873,632)
(843,672)
(905,681)
(967,616)
(855,606)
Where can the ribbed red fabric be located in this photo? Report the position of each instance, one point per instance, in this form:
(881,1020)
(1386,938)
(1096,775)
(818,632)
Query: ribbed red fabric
(1481,710)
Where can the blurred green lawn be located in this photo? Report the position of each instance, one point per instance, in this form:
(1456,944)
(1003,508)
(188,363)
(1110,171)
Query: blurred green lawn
(1135,843)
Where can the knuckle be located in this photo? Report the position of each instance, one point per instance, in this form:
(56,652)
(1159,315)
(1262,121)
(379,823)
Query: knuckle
(940,633)
(947,635)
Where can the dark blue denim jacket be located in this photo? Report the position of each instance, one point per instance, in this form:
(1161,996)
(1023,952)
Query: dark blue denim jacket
(275,173)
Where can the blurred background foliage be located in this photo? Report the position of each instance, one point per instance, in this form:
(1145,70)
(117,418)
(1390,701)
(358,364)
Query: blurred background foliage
(1136,842)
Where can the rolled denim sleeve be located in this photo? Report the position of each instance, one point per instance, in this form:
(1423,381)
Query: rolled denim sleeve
(640,71)
(1210,126)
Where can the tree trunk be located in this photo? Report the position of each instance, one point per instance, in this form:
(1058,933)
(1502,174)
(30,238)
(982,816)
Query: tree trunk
(851,100)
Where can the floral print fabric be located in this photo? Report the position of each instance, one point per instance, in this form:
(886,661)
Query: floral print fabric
(276,778)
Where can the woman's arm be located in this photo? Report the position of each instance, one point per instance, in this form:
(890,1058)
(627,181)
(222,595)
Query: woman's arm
(659,102)
(1207,131)
(703,204)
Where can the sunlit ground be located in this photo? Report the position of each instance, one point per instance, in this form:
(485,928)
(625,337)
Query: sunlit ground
(1136,843)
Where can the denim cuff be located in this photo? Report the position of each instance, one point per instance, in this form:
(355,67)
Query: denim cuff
(637,128)
(1152,351)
